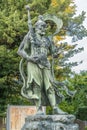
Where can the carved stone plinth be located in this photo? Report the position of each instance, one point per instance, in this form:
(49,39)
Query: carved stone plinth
(50,122)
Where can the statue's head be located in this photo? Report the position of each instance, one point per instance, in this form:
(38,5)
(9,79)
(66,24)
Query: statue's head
(40,25)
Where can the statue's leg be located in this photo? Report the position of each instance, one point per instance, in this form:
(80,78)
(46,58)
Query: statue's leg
(34,79)
(38,103)
(51,93)
(51,96)
(52,100)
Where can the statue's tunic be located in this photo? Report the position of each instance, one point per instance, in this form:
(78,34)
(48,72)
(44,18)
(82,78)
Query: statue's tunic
(39,76)
(40,72)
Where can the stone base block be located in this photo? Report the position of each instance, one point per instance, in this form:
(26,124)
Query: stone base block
(50,122)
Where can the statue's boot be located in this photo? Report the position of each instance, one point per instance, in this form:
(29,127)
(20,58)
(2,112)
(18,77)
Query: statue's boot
(52,99)
(57,110)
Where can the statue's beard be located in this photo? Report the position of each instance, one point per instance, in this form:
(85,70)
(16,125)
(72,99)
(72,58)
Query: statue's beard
(41,33)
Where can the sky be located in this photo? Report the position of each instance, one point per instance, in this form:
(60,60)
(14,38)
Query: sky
(81,6)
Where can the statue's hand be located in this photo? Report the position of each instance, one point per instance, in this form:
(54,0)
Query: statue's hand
(33,59)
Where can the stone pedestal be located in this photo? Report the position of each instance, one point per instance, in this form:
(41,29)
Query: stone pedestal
(50,122)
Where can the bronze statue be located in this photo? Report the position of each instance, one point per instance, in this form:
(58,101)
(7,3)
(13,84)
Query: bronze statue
(39,85)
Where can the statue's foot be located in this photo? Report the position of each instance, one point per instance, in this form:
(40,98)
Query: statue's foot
(40,111)
(58,111)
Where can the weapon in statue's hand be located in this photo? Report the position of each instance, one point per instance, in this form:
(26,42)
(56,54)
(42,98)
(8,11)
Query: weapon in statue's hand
(30,23)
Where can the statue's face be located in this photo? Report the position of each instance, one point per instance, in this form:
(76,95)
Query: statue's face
(41,29)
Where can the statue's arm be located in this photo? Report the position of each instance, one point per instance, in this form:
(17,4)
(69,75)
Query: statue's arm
(54,51)
(23,47)
(51,46)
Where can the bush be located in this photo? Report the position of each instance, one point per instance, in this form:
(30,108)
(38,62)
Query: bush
(86,128)
(82,113)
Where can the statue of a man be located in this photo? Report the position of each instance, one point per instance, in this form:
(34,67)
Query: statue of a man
(35,49)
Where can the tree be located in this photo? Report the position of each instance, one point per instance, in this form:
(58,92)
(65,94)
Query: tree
(79,83)
(13,27)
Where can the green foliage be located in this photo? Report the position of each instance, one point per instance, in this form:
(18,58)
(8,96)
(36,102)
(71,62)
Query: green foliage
(80,84)
(9,88)
(86,128)
(12,21)
(77,82)
(48,110)
(62,67)
(82,113)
